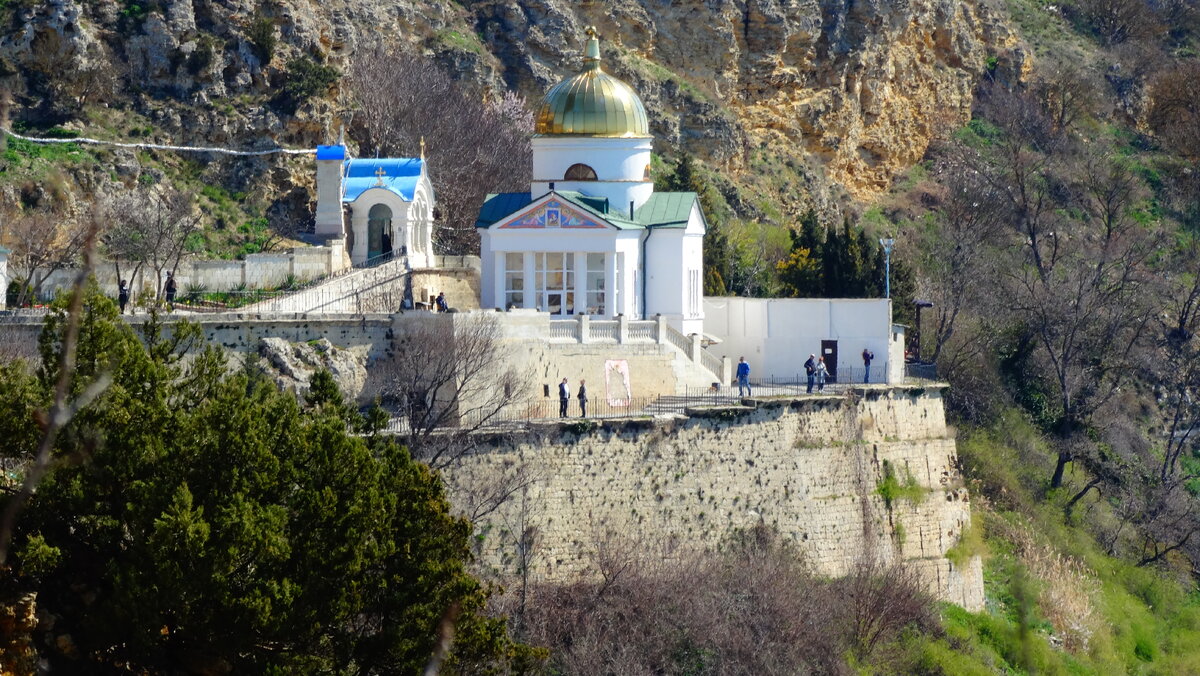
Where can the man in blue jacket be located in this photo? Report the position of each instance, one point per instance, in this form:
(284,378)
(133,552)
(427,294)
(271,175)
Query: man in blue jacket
(743,377)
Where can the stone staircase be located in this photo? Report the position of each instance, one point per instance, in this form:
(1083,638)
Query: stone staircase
(381,287)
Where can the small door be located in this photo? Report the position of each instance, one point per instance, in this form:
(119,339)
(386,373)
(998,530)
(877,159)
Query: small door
(379,221)
(829,352)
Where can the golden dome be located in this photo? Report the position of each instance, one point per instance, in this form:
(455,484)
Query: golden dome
(593,103)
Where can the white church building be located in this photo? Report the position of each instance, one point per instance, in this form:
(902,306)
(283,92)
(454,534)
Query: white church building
(591,236)
(389,200)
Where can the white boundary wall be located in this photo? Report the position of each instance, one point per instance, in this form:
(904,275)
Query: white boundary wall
(256,271)
(776,335)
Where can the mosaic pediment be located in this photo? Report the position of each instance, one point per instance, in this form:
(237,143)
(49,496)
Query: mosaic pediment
(554,214)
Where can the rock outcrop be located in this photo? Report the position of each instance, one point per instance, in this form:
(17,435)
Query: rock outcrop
(841,93)
(293,364)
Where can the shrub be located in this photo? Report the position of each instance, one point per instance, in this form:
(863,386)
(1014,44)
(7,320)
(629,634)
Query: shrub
(305,79)
(261,35)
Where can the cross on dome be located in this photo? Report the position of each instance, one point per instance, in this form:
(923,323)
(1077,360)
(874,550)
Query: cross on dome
(379,174)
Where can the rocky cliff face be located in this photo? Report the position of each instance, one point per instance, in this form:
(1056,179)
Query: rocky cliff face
(840,92)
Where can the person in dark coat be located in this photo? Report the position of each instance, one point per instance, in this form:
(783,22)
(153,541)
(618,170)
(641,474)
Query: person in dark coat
(867,356)
(171,290)
(810,369)
(583,399)
(123,295)
(441,302)
(564,398)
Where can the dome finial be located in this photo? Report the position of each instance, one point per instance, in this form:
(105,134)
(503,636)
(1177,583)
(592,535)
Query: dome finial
(591,54)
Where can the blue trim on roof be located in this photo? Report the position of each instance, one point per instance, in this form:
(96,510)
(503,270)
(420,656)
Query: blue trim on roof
(400,175)
(331,152)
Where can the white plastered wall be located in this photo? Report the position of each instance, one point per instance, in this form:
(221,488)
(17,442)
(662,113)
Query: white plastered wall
(672,255)
(360,214)
(777,335)
(620,165)
(328,215)
(416,232)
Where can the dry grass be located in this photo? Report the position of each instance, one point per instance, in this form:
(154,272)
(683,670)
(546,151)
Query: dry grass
(1066,591)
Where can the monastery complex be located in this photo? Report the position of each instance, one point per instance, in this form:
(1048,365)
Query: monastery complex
(593,275)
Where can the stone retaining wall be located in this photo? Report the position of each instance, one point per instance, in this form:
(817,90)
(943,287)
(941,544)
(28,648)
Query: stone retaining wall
(809,467)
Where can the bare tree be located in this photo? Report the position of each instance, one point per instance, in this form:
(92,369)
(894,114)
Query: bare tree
(477,145)
(1179,357)
(1089,308)
(43,243)
(447,379)
(1119,20)
(1068,91)
(149,230)
(1173,115)
(956,260)
(752,607)
(1078,285)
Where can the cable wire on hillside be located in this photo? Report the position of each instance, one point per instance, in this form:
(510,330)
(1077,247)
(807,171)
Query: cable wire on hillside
(157,146)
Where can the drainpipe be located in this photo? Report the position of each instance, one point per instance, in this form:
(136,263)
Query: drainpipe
(645,277)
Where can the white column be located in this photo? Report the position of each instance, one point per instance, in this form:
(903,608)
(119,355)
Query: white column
(579,294)
(498,298)
(405,238)
(531,290)
(359,222)
(610,285)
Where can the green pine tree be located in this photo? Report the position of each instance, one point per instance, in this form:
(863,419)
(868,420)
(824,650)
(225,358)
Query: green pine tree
(205,522)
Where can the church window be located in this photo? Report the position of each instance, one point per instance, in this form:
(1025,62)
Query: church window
(595,284)
(555,275)
(646,173)
(580,172)
(514,280)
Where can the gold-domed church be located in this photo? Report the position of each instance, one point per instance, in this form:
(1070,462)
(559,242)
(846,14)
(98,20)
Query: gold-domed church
(592,237)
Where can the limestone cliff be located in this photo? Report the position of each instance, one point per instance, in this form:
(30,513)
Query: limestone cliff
(788,98)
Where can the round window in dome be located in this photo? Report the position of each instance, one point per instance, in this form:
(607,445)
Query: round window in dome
(580,172)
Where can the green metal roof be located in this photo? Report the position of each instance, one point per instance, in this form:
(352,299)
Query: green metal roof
(667,210)
(497,206)
(662,210)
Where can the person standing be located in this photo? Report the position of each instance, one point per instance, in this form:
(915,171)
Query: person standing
(822,372)
(810,370)
(583,399)
(868,356)
(564,398)
(743,378)
(441,302)
(171,289)
(123,295)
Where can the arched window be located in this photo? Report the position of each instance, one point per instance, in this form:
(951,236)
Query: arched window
(580,172)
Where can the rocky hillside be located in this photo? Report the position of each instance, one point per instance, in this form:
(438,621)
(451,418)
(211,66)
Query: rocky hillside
(793,102)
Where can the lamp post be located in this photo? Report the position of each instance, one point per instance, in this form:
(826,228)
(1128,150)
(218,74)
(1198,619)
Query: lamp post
(887,243)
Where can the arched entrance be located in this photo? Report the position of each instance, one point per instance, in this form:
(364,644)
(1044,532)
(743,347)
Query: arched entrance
(379,224)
